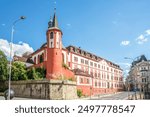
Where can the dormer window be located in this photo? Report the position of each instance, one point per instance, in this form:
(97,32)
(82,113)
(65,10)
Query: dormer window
(51,35)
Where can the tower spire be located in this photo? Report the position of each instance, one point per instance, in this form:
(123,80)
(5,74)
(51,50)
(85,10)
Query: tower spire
(55,22)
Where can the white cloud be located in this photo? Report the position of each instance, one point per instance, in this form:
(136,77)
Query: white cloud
(148,32)
(125,43)
(18,49)
(126,67)
(20,42)
(141,39)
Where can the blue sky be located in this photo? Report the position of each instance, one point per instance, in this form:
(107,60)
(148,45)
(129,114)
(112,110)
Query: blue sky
(112,29)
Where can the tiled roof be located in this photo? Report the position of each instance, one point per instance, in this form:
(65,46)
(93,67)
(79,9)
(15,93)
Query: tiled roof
(94,57)
(18,58)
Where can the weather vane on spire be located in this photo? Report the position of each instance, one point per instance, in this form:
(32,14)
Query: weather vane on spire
(54,10)
(55,6)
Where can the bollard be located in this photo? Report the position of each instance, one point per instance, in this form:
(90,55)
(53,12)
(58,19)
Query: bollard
(6,93)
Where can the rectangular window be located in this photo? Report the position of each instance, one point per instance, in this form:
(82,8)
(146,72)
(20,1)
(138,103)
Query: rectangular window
(91,63)
(98,66)
(81,80)
(82,61)
(86,62)
(75,59)
(111,77)
(87,81)
(95,65)
(96,74)
(107,69)
(95,83)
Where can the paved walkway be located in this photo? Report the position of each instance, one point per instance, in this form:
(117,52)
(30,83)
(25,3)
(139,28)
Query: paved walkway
(113,96)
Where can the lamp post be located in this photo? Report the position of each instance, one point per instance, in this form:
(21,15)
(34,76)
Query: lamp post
(10,64)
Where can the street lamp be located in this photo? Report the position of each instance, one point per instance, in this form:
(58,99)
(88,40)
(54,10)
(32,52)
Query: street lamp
(10,64)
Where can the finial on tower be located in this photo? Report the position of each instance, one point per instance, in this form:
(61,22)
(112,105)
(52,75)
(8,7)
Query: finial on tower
(55,10)
(53,23)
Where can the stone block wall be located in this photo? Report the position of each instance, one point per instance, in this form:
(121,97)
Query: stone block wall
(3,86)
(45,89)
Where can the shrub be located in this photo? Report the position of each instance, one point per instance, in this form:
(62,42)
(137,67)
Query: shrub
(79,93)
(65,66)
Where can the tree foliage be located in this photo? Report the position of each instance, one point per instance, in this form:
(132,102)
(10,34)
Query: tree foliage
(3,66)
(19,71)
(41,72)
(31,73)
(36,73)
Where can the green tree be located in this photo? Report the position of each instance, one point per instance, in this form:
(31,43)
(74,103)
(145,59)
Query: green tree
(41,72)
(36,73)
(19,71)
(3,66)
(31,73)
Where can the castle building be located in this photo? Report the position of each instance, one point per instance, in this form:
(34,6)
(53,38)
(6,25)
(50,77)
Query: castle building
(93,74)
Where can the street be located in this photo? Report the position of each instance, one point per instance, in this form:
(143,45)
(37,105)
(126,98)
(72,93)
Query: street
(117,96)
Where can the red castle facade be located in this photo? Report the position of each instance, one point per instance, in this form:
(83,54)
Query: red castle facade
(93,74)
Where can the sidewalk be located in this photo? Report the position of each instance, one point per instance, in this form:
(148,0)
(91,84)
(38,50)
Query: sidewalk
(99,96)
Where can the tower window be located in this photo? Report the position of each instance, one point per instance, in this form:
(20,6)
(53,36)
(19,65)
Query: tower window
(51,44)
(51,35)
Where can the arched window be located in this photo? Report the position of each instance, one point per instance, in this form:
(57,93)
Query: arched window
(35,60)
(51,35)
(41,58)
(38,58)
(63,58)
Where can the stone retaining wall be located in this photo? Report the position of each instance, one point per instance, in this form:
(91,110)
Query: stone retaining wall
(45,89)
